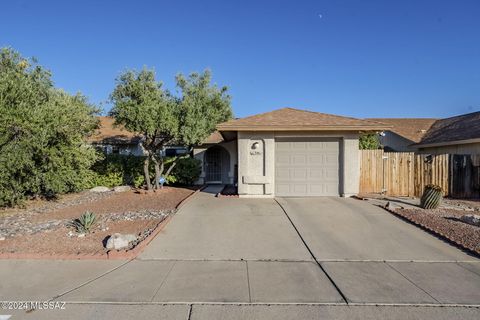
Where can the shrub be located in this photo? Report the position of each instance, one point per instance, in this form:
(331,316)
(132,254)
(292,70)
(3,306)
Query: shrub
(42,133)
(369,141)
(187,171)
(115,170)
(85,223)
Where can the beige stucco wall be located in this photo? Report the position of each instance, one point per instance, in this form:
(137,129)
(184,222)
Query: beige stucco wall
(467,148)
(230,147)
(256,168)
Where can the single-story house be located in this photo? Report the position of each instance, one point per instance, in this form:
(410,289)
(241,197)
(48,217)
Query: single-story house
(286,152)
(404,133)
(117,140)
(459,134)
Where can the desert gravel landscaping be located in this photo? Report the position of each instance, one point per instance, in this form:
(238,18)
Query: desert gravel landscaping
(446,223)
(42,226)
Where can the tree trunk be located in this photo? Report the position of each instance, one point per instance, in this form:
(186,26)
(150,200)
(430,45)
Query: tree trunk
(171,167)
(146,163)
(157,173)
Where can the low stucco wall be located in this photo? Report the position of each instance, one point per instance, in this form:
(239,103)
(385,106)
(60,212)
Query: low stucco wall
(256,167)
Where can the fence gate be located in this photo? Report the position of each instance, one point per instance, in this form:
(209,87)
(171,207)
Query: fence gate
(390,173)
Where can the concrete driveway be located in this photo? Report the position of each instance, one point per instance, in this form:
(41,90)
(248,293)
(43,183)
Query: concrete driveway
(341,229)
(266,259)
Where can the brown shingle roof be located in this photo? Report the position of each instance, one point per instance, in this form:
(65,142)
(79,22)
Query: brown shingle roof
(458,128)
(410,128)
(215,137)
(107,133)
(289,119)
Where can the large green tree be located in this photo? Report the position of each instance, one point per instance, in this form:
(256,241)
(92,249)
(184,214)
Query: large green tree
(144,107)
(42,132)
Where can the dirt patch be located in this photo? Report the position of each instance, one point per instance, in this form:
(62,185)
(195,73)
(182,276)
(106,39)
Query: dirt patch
(42,227)
(446,223)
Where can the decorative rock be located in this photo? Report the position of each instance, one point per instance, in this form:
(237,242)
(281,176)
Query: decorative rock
(81,235)
(392,206)
(120,241)
(100,189)
(121,188)
(472,219)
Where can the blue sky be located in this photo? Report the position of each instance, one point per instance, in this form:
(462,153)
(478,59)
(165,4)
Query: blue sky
(361,58)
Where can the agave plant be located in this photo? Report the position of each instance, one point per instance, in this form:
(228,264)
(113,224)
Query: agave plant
(85,223)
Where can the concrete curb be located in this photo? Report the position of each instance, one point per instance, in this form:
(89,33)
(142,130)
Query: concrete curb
(108,255)
(187,199)
(133,253)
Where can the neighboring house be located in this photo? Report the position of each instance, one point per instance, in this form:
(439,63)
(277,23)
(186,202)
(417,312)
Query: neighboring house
(286,152)
(403,132)
(460,135)
(117,140)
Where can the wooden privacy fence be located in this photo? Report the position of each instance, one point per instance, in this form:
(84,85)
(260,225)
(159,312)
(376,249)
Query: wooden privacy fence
(407,173)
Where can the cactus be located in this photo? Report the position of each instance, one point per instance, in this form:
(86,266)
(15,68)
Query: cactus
(432,196)
(85,223)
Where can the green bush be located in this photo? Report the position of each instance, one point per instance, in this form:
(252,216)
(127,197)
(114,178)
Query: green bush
(115,170)
(42,133)
(187,171)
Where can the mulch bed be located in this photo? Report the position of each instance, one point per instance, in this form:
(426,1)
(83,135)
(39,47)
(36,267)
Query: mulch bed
(446,223)
(41,228)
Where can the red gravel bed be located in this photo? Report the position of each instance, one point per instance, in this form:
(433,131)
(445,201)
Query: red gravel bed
(166,199)
(445,223)
(58,241)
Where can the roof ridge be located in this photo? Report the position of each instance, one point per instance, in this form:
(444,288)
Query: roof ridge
(317,112)
(461,115)
(406,118)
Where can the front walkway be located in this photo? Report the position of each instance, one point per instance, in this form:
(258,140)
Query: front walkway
(263,259)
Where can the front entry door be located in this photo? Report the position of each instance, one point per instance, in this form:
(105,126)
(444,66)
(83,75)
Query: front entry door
(213,165)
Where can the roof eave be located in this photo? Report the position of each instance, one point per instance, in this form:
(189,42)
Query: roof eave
(445,143)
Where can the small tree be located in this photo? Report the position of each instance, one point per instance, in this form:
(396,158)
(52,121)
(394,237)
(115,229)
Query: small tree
(143,107)
(369,141)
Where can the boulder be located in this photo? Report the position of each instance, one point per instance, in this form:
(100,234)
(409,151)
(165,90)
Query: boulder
(472,219)
(2,238)
(100,189)
(120,241)
(121,188)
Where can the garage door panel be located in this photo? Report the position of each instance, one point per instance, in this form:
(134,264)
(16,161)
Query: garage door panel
(298,145)
(307,168)
(283,159)
(299,159)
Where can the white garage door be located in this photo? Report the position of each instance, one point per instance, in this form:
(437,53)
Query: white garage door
(307,167)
